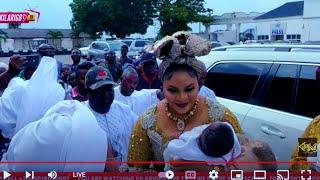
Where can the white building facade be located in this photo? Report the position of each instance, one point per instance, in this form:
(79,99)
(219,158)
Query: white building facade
(288,29)
(311,20)
(293,21)
(30,39)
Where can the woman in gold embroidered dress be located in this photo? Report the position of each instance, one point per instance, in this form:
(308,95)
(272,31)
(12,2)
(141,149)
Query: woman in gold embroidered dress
(312,131)
(182,109)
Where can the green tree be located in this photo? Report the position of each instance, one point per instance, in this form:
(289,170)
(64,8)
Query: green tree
(115,17)
(174,15)
(55,38)
(125,17)
(3,36)
(55,34)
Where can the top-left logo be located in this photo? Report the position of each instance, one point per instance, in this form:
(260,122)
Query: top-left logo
(19,17)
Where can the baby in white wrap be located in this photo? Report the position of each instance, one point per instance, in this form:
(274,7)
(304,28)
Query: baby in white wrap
(215,143)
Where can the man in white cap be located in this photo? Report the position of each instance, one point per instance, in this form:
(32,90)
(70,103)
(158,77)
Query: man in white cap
(68,132)
(115,118)
(138,101)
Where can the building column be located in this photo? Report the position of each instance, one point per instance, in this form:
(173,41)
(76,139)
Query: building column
(207,26)
(237,32)
(256,33)
(207,31)
(229,27)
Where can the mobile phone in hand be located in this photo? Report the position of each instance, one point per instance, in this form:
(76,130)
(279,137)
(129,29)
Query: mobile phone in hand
(32,61)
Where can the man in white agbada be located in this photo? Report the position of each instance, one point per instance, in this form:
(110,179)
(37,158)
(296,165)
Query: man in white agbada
(68,132)
(26,101)
(138,101)
(215,142)
(205,91)
(115,118)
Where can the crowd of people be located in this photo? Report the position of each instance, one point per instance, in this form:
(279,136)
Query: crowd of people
(121,109)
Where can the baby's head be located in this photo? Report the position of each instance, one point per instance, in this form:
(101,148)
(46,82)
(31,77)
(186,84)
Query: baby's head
(216,140)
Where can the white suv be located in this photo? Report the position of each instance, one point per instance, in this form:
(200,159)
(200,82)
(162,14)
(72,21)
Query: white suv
(274,94)
(136,44)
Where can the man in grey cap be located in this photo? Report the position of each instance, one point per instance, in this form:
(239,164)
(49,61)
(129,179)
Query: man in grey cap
(100,83)
(115,118)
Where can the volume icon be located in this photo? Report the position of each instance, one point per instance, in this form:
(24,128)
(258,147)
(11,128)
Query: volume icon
(52,175)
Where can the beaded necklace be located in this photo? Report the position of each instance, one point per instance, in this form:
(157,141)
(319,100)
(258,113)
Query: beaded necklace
(181,121)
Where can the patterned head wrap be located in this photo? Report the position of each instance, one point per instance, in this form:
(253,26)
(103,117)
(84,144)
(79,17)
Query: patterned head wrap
(181,48)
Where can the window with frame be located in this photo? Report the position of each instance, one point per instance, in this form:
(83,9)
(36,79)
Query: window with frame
(234,80)
(308,94)
(294,37)
(263,37)
(279,95)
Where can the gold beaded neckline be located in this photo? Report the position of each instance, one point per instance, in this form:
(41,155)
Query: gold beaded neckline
(181,121)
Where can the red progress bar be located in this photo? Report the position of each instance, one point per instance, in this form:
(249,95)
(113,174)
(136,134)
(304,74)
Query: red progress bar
(161,162)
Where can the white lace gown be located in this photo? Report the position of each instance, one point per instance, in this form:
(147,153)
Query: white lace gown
(206,92)
(118,123)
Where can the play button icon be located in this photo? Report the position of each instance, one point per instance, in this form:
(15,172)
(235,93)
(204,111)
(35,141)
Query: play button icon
(6,174)
(169,174)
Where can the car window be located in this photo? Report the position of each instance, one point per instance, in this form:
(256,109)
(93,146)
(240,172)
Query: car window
(103,46)
(140,43)
(280,93)
(308,91)
(116,46)
(128,43)
(234,80)
(216,45)
(94,45)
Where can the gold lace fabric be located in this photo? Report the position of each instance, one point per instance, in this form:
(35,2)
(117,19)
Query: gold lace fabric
(148,141)
(312,131)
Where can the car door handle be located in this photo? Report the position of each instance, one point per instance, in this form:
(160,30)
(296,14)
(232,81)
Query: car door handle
(272,131)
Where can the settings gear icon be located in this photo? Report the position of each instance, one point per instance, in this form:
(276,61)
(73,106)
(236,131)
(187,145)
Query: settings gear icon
(213,174)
